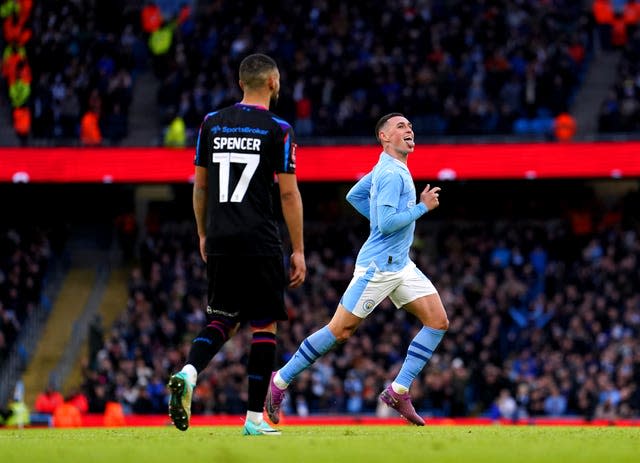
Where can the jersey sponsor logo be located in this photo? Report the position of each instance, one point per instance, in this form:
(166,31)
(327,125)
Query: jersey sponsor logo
(246,130)
(236,143)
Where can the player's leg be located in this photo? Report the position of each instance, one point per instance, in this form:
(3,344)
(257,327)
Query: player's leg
(430,311)
(262,355)
(268,304)
(181,385)
(366,290)
(222,324)
(338,330)
(418,296)
(341,326)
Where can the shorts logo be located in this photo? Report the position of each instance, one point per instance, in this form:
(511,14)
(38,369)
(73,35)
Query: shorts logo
(212,311)
(368,305)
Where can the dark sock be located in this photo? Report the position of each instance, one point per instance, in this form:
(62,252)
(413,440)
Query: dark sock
(207,344)
(262,357)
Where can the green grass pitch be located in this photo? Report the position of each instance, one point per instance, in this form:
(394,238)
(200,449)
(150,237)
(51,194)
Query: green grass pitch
(331,444)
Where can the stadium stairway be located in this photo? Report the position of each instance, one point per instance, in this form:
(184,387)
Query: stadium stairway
(114,301)
(599,78)
(28,340)
(143,113)
(94,279)
(67,308)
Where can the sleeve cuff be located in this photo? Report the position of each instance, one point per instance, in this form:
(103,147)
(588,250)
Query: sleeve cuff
(422,208)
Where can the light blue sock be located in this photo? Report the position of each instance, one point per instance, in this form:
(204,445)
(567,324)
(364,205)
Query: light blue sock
(311,349)
(420,351)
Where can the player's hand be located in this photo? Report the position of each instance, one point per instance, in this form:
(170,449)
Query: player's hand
(203,252)
(430,197)
(297,270)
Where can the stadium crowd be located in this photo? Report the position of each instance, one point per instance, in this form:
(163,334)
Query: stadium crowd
(458,68)
(82,58)
(24,256)
(620,110)
(545,321)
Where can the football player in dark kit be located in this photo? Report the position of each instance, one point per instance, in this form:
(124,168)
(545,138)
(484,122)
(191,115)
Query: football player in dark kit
(239,150)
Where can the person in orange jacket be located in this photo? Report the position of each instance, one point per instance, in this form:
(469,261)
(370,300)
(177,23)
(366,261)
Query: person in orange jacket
(90,133)
(14,30)
(151,17)
(603,15)
(67,415)
(48,400)
(22,123)
(564,126)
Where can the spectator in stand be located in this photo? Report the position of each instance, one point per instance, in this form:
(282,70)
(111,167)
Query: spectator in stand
(115,125)
(175,135)
(79,400)
(564,127)
(620,111)
(48,400)
(90,133)
(22,124)
(150,17)
(23,262)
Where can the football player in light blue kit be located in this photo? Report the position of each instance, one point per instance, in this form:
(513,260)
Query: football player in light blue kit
(387,197)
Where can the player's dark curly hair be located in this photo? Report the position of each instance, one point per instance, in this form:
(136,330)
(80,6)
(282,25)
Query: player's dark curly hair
(254,70)
(383,120)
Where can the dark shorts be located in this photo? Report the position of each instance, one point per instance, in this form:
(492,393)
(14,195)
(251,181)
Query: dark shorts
(246,288)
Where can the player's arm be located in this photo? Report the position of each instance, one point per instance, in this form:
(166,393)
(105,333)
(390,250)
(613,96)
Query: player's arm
(200,195)
(291,202)
(359,195)
(389,219)
(292,211)
(200,187)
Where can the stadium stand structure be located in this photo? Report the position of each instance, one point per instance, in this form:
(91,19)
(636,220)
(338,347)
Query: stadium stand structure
(450,67)
(29,278)
(536,329)
(522,342)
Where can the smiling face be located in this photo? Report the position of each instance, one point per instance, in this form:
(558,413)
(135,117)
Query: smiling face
(397,136)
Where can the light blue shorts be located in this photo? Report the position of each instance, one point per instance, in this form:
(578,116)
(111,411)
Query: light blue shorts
(369,286)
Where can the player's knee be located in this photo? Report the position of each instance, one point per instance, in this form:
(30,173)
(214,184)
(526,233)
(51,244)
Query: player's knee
(342,333)
(343,336)
(442,323)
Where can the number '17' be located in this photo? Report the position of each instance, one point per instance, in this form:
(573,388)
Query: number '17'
(250,161)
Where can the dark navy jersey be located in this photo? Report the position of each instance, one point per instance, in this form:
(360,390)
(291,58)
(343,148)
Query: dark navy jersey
(243,147)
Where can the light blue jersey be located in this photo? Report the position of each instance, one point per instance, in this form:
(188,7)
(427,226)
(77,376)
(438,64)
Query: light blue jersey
(387,197)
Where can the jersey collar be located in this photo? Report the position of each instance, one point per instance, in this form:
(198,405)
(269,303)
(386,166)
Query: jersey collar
(255,106)
(388,158)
